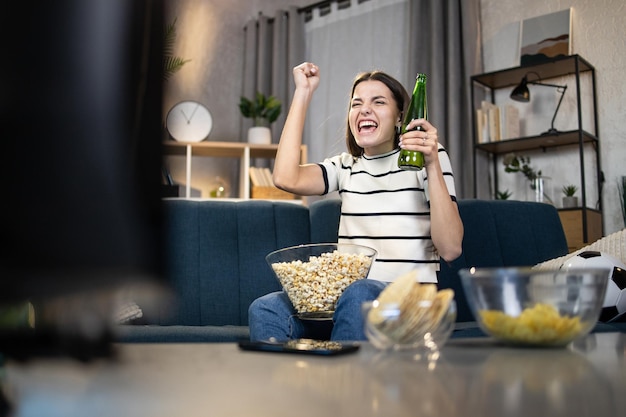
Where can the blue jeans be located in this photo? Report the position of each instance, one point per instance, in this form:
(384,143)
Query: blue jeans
(272,316)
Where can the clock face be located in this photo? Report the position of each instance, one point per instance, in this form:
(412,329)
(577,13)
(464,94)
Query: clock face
(189,121)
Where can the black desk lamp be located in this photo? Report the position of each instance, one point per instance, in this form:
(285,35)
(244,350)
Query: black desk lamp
(522,94)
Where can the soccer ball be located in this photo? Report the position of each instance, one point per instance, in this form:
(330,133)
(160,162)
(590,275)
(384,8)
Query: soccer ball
(614,305)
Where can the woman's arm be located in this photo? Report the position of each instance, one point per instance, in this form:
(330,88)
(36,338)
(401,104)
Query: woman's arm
(445,221)
(446,227)
(288,174)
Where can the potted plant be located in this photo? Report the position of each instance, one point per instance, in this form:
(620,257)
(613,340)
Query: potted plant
(503,195)
(264,111)
(569,199)
(538,183)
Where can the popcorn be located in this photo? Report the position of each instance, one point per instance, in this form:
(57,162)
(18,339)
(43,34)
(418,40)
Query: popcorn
(315,286)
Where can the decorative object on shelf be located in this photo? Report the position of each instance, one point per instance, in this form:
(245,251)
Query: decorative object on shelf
(495,123)
(189,121)
(264,111)
(171,63)
(520,163)
(503,195)
(168,189)
(546,37)
(540,189)
(621,187)
(218,188)
(522,94)
(263,186)
(569,199)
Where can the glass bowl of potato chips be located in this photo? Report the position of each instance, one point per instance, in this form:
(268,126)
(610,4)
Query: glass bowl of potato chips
(409,316)
(532,307)
(314,275)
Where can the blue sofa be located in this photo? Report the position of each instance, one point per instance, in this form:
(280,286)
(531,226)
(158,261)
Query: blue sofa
(216,257)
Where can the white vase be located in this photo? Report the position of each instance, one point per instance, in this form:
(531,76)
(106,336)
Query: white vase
(260,135)
(541,190)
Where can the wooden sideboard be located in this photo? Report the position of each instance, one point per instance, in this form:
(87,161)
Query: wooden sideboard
(574,225)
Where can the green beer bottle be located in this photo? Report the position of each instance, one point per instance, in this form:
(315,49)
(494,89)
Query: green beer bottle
(414,160)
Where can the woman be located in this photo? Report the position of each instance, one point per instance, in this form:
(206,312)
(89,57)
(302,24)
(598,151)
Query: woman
(411,218)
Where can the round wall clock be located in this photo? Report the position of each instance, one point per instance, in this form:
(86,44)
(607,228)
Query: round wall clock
(189,121)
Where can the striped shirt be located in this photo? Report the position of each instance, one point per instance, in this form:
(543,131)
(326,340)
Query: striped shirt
(387,209)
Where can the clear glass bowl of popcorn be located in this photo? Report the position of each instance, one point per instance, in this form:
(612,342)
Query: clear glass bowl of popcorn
(314,275)
(532,307)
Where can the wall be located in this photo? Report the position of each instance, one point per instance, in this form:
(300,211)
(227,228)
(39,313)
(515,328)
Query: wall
(211,35)
(599,36)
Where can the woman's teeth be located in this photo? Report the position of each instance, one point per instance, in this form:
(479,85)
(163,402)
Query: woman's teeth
(367,124)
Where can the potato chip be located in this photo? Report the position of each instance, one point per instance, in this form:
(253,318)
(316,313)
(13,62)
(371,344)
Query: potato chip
(420,308)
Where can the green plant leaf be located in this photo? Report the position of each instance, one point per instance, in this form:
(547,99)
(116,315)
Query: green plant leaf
(261,108)
(520,163)
(169,38)
(171,64)
(569,190)
(503,195)
(246,107)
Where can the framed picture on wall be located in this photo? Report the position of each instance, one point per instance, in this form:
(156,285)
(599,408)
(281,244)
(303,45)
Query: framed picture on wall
(545,37)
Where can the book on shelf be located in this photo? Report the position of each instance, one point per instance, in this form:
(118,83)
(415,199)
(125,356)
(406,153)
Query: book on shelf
(488,122)
(261,177)
(482,126)
(263,187)
(494,123)
(509,122)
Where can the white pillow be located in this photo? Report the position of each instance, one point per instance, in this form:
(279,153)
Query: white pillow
(127,312)
(613,244)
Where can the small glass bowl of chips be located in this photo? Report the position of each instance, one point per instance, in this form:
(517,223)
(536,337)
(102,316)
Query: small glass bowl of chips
(425,326)
(532,307)
(409,315)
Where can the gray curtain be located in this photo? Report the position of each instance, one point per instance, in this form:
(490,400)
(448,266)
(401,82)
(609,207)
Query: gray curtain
(273,46)
(402,37)
(444,36)
(345,39)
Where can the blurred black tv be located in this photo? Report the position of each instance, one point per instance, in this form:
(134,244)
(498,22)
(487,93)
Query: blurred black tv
(80,99)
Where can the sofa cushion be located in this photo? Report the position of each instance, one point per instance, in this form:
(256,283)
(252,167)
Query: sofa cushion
(263,227)
(216,257)
(501,233)
(325,216)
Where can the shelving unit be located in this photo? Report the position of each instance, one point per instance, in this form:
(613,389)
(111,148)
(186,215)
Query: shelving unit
(584,224)
(244,152)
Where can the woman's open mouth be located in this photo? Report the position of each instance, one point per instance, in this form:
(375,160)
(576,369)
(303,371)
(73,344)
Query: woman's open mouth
(366,126)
